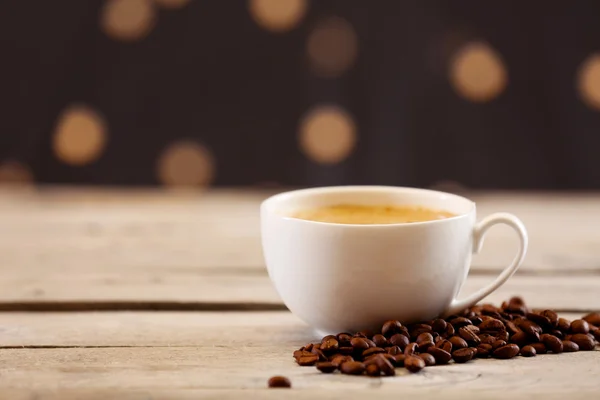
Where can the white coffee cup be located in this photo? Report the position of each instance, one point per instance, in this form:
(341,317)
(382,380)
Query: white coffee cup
(346,277)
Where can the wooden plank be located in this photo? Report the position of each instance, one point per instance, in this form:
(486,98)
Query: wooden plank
(232,355)
(145,229)
(190,287)
(165,329)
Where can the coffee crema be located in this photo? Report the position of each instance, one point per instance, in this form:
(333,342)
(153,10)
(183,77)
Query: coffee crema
(366,215)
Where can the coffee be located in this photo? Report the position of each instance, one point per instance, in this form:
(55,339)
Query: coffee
(377,214)
(481,331)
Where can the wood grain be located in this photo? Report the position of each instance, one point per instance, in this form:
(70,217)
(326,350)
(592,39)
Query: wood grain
(166,329)
(113,288)
(142,230)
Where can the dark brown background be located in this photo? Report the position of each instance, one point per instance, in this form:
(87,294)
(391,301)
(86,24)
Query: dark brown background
(208,73)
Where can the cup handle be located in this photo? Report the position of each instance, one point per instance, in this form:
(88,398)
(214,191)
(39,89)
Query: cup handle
(478,235)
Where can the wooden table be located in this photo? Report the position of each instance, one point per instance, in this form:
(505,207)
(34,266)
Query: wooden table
(148,295)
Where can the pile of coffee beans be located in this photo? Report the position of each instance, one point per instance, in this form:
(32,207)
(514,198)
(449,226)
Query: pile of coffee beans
(482,331)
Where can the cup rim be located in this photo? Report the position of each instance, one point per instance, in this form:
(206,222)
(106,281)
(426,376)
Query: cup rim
(349,188)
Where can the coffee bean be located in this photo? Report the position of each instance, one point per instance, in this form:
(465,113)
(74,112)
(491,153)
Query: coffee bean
(502,335)
(419,329)
(359,343)
(530,328)
(318,352)
(528,351)
(300,353)
(385,366)
(423,346)
(445,345)
(372,370)
(374,357)
(424,337)
(516,300)
(486,338)
(410,349)
(506,352)
(593,318)
(493,314)
(476,320)
(552,343)
(458,343)
(539,319)
(474,329)
(307,347)
(352,368)
(399,360)
(584,341)
(344,339)
(329,344)
(569,347)
(439,325)
(498,343)
(391,327)
(279,382)
(441,356)
(564,325)
(596,334)
(540,348)
(520,339)
(394,350)
(516,309)
(326,367)
(450,331)
(484,350)
(414,363)
(306,360)
(399,340)
(580,326)
(340,359)
(552,317)
(463,355)
(460,322)
(367,333)
(468,336)
(511,327)
(380,340)
(370,342)
(428,358)
(371,351)
(491,324)
(346,350)
(557,333)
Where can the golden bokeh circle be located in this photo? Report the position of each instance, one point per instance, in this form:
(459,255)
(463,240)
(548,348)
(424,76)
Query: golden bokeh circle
(80,136)
(277,15)
(172,4)
(128,20)
(327,134)
(14,172)
(588,81)
(332,47)
(186,163)
(477,72)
